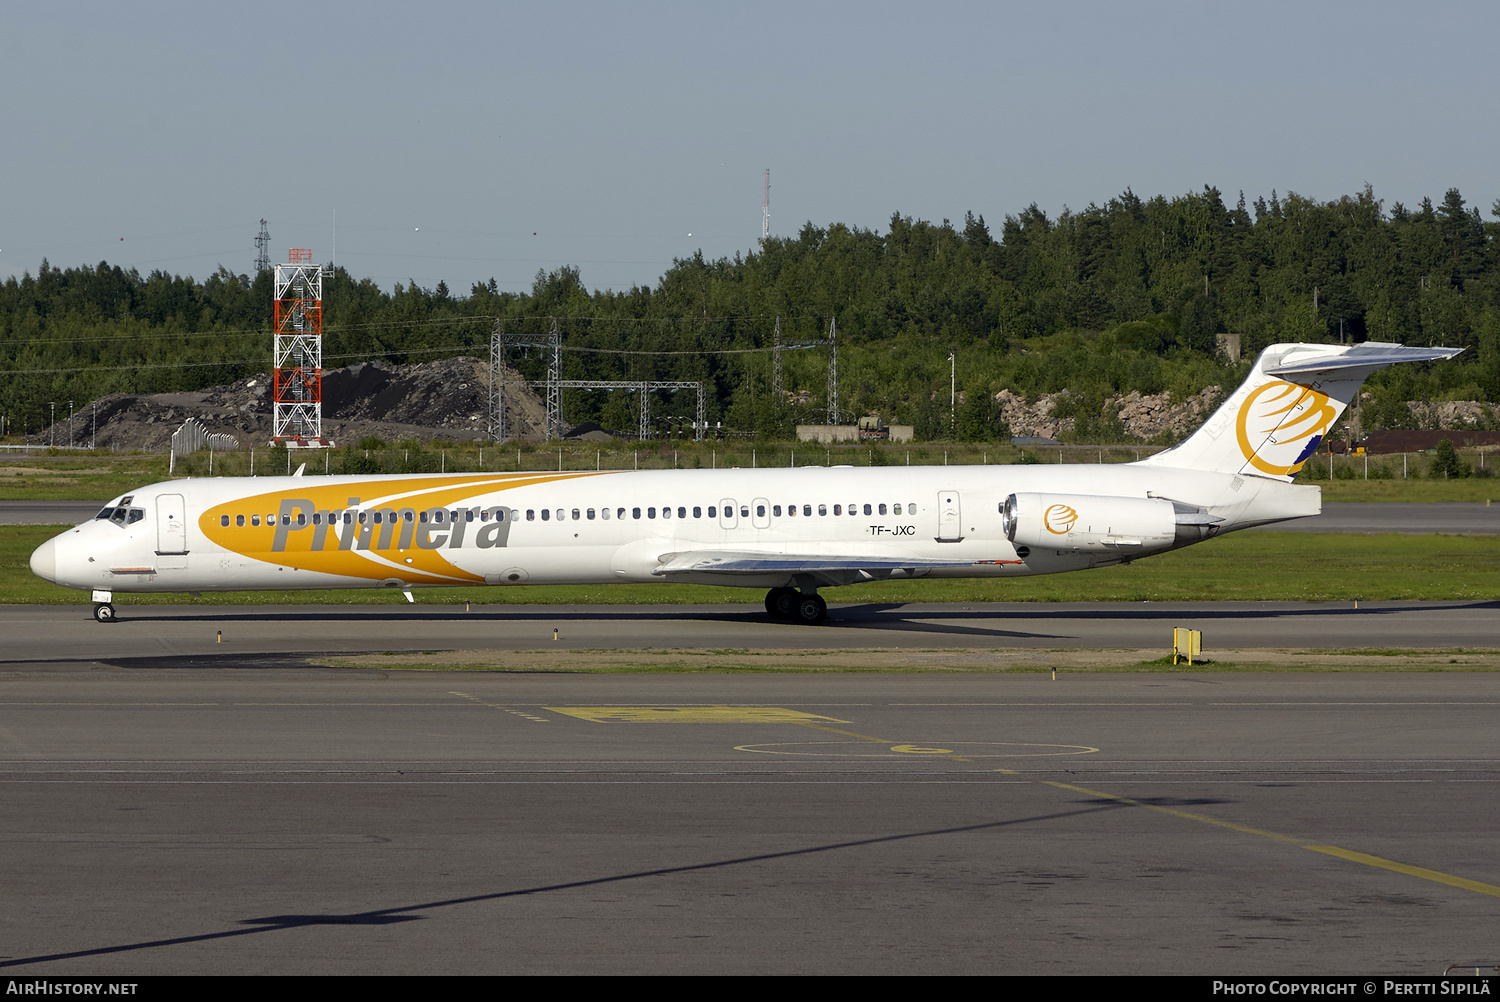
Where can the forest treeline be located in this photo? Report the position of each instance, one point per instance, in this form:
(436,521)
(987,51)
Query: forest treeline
(1135,294)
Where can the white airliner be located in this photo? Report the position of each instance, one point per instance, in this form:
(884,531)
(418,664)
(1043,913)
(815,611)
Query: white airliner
(791,531)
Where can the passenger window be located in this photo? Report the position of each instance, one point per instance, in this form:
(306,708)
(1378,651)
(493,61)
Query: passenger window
(591,514)
(760,511)
(620,513)
(255,520)
(635,513)
(408,515)
(882,509)
(744,511)
(838,509)
(348,518)
(650,512)
(791,509)
(575,514)
(895,509)
(239,520)
(681,512)
(421,516)
(531,514)
(559,514)
(697,512)
(604,513)
(546,514)
(666,512)
(807,510)
(713,511)
(822,509)
(301,518)
(867,510)
(776,510)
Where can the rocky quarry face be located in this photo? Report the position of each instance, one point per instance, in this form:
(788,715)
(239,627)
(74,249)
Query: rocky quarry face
(1143,417)
(446,399)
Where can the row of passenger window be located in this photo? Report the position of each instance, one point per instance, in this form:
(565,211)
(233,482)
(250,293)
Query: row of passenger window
(380,517)
(440,515)
(823,510)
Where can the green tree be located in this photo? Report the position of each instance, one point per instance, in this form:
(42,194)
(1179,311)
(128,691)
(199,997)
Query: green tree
(1447,464)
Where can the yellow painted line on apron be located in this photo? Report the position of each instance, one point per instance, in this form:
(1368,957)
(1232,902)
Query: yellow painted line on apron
(1412,871)
(497,706)
(905,749)
(1330,850)
(1176,814)
(690,714)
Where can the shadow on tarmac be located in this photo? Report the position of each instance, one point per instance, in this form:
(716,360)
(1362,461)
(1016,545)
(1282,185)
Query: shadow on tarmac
(402,913)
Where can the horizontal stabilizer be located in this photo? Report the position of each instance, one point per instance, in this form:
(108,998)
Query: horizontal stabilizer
(1368,354)
(723,562)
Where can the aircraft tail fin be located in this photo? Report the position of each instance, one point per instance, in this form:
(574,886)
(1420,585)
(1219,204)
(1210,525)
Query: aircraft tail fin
(1275,421)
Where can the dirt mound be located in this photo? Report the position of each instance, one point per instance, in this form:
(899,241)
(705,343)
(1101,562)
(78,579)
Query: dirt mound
(446,399)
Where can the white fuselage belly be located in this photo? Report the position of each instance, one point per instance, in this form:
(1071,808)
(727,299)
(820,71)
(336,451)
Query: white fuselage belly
(949,514)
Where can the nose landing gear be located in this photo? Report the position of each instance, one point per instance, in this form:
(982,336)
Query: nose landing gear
(104,613)
(788,603)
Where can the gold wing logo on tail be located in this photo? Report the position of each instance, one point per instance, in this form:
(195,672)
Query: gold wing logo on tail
(1280,425)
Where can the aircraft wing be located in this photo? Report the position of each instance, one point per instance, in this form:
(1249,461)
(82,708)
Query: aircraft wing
(750,562)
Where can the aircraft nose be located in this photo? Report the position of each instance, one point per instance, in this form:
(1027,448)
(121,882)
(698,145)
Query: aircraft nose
(44,560)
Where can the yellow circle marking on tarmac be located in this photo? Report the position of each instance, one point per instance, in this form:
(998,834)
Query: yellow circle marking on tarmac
(968,749)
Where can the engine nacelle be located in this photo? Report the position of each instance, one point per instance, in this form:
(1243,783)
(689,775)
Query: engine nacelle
(1086,523)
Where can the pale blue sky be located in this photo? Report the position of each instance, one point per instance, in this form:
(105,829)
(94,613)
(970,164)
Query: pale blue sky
(445,135)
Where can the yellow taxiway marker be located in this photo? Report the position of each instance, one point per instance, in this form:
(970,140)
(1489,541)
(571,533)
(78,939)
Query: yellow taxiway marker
(690,714)
(1413,871)
(1331,850)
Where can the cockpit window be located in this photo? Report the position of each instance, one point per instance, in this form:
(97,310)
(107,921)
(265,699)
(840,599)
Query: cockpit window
(122,515)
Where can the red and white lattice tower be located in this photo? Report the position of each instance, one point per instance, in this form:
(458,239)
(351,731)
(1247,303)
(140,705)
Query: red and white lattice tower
(298,379)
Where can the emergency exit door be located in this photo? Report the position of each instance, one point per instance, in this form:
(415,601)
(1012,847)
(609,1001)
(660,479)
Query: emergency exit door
(950,518)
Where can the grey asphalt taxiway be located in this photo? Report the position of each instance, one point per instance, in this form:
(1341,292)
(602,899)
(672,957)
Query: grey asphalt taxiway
(68,633)
(177,804)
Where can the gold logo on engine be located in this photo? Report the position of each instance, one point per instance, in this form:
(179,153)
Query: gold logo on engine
(1059,518)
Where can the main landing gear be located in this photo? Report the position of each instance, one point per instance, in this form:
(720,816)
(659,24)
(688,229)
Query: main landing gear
(104,613)
(789,603)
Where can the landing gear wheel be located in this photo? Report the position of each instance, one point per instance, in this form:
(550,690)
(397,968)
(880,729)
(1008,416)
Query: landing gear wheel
(781,603)
(811,610)
(104,613)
